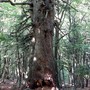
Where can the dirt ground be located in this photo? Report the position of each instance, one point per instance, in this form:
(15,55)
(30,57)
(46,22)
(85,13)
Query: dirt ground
(85,88)
(10,85)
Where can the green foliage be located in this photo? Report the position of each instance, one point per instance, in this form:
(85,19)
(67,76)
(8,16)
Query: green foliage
(4,37)
(77,1)
(15,21)
(75,42)
(82,70)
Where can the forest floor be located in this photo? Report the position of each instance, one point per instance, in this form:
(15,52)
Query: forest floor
(11,85)
(88,88)
(8,85)
(85,88)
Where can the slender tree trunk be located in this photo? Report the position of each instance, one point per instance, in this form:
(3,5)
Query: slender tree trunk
(63,87)
(82,82)
(0,65)
(87,82)
(18,62)
(4,69)
(59,74)
(74,76)
(57,56)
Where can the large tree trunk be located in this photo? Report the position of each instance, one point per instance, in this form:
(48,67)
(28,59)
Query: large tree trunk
(43,68)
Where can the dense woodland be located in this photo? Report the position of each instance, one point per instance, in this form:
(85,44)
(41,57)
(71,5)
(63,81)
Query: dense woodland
(44,44)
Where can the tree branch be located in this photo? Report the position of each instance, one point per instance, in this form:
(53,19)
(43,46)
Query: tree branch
(62,37)
(64,1)
(12,3)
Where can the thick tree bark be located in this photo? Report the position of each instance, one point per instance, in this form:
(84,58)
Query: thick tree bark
(43,67)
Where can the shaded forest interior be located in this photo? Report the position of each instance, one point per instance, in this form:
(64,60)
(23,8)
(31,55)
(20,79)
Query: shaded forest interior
(44,45)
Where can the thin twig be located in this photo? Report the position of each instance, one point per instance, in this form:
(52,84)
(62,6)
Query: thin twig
(12,3)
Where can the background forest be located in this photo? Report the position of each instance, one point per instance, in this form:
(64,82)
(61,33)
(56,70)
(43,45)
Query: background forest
(71,43)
